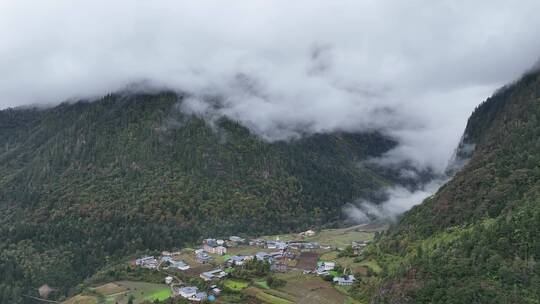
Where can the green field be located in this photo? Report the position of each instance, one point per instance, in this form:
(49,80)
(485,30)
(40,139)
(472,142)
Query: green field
(268,298)
(339,238)
(226,257)
(372,265)
(236,284)
(160,295)
(262,284)
(120,292)
(141,291)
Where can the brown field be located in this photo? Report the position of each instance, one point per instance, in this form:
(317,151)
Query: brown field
(307,260)
(110,288)
(188,257)
(246,250)
(310,289)
(80,299)
(197,269)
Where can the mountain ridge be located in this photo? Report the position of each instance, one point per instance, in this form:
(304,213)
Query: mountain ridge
(477,239)
(87,182)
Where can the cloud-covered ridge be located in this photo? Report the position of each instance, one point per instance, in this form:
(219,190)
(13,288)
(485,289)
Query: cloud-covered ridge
(413,70)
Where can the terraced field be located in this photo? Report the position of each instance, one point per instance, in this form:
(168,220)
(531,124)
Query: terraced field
(236,285)
(121,291)
(339,238)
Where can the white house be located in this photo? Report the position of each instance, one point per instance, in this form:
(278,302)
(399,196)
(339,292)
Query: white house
(212,246)
(263,256)
(149,262)
(328,265)
(203,257)
(236,239)
(324,268)
(143,260)
(168,280)
(307,233)
(166,258)
(188,292)
(257,242)
(238,260)
(276,245)
(199,297)
(214,274)
(181,265)
(345,280)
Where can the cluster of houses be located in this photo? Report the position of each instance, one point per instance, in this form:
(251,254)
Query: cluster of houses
(203,257)
(167,261)
(219,246)
(215,274)
(239,260)
(149,262)
(280,245)
(194,294)
(279,256)
(170,262)
(214,246)
(324,268)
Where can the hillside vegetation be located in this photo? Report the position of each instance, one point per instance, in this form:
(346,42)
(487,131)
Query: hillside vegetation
(86,183)
(477,240)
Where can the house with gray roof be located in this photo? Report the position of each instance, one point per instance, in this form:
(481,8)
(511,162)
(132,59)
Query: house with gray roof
(345,280)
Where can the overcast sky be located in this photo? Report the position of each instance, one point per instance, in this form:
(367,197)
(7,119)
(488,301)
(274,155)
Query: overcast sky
(414,69)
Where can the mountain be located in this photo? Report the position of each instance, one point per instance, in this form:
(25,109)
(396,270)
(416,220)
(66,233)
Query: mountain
(86,183)
(477,240)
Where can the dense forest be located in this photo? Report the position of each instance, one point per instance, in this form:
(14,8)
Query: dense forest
(477,240)
(86,183)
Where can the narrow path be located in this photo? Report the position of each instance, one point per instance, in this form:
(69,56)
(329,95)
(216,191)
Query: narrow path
(180,283)
(40,299)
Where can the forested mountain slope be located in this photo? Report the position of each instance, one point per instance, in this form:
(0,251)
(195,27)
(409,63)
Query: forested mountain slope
(88,182)
(477,240)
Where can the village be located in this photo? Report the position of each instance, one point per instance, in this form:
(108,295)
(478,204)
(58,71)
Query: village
(218,258)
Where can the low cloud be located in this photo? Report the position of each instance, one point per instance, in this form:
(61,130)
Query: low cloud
(399,200)
(412,70)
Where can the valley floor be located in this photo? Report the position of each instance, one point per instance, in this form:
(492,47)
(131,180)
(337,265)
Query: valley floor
(301,283)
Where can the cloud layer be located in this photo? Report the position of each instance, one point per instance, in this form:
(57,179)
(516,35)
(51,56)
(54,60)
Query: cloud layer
(414,69)
(399,200)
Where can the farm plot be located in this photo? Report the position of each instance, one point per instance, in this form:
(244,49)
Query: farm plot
(236,285)
(310,289)
(120,292)
(307,260)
